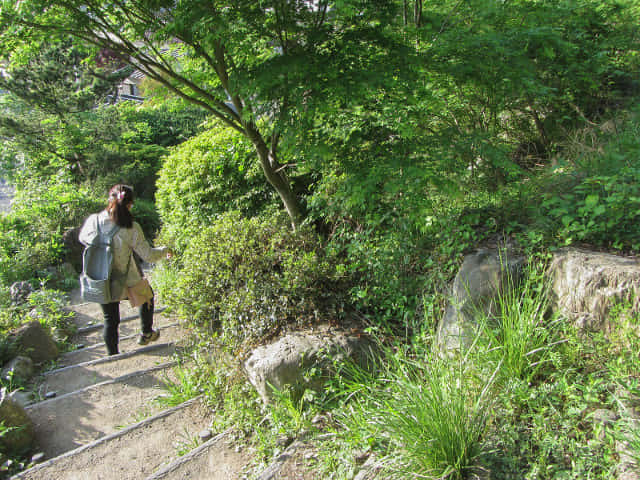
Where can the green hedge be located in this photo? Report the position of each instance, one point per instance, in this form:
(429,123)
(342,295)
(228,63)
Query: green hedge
(212,173)
(245,279)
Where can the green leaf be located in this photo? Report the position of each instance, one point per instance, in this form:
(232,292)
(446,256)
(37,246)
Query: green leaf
(591,200)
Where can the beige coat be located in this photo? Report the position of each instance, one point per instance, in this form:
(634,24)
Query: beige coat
(126,241)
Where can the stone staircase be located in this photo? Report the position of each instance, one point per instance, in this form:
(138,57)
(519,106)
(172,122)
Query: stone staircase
(99,417)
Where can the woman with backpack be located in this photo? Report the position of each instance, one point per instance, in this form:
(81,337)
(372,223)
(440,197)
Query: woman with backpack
(126,279)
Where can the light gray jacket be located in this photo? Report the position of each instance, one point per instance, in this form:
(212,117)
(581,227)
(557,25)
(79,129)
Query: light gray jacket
(125,272)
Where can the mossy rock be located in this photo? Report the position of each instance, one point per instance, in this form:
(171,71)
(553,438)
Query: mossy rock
(21,435)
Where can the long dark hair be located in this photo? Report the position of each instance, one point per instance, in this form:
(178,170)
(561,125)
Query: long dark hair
(120,196)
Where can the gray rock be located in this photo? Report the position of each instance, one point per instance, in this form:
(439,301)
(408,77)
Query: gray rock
(284,362)
(37,458)
(19,368)
(587,285)
(50,395)
(482,276)
(273,471)
(370,470)
(35,314)
(73,248)
(21,397)
(20,292)
(205,435)
(35,342)
(20,439)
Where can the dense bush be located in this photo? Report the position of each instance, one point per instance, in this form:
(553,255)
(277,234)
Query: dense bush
(249,278)
(31,234)
(125,143)
(109,144)
(594,196)
(210,174)
(45,305)
(145,213)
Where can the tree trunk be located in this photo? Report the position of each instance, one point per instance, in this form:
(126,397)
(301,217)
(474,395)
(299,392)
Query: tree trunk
(417,13)
(276,176)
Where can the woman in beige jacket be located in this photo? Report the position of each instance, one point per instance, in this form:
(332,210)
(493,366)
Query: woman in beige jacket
(125,271)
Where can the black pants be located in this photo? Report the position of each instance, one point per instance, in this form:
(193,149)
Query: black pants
(111,313)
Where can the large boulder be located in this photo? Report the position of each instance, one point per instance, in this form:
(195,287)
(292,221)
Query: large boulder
(482,276)
(587,285)
(21,437)
(21,397)
(73,248)
(33,341)
(19,368)
(284,362)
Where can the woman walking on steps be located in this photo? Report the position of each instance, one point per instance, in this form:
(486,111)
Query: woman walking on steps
(125,271)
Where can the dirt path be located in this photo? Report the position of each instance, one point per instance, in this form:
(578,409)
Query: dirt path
(107,419)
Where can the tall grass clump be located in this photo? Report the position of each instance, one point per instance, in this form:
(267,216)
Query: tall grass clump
(520,333)
(427,413)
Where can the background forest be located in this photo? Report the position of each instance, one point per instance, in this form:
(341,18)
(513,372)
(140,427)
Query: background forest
(319,160)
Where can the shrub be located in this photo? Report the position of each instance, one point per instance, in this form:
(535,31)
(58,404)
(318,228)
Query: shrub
(595,195)
(31,234)
(210,174)
(386,273)
(248,278)
(45,305)
(146,214)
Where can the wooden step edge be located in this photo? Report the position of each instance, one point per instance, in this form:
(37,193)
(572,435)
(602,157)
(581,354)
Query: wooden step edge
(101,345)
(100,325)
(111,358)
(107,438)
(196,452)
(122,378)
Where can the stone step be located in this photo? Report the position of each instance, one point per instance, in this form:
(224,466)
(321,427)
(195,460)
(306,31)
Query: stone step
(132,453)
(74,377)
(92,335)
(69,421)
(93,351)
(216,459)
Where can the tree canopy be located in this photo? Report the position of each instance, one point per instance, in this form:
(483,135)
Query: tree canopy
(363,93)
(255,66)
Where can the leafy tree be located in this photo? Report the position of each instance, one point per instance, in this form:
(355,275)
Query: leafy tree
(256,66)
(46,92)
(58,79)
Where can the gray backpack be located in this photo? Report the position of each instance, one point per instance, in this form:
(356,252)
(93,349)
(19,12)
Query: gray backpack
(97,263)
